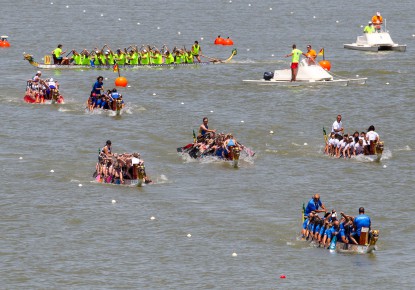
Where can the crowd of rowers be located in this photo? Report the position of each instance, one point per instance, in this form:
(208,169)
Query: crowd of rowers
(116,168)
(42,89)
(321,230)
(210,143)
(132,55)
(346,146)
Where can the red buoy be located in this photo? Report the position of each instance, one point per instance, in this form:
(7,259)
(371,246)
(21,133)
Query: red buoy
(219,40)
(282,276)
(121,82)
(4,42)
(325,64)
(227,41)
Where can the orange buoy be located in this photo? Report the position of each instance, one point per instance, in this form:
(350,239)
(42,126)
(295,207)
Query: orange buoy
(219,40)
(121,82)
(227,41)
(4,42)
(325,64)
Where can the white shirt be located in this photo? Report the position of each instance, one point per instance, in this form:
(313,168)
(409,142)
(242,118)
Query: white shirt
(337,126)
(372,136)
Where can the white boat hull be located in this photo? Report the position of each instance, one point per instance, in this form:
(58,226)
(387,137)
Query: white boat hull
(308,75)
(375,42)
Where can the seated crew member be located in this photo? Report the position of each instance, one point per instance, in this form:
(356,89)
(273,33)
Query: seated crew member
(360,221)
(314,204)
(169,58)
(335,231)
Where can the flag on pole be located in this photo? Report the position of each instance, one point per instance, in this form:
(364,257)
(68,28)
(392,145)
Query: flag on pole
(194,136)
(115,68)
(321,52)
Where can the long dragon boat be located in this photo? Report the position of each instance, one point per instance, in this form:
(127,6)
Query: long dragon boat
(47,65)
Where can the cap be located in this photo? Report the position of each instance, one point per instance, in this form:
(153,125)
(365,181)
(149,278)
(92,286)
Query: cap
(144,50)
(309,46)
(51,79)
(39,72)
(378,13)
(370,22)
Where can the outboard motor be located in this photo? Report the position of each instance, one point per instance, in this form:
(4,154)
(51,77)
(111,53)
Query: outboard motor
(268,75)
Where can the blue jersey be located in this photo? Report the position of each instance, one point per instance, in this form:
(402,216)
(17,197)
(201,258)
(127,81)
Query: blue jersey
(96,86)
(360,221)
(331,233)
(312,205)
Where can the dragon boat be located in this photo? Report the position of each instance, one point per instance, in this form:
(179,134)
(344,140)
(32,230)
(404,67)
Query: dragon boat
(366,243)
(214,146)
(136,173)
(308,74)
(36,97)
(47,64)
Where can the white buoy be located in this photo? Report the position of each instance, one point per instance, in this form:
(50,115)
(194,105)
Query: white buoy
(271,132)
(230,1)
(80,185)
(128,86)
(305,144)
(52,170)
(201,38)
(413,35)
(154,94)
(314,17)
(292,12)
(384,166)
(106,79)
(272,54)
(270,8)
(242,121)
(152,218)
(84,11)
(357,76)
(361,26)
(138,23)
(249,5)
(189,235)
(158,27)
(234,254)
(211,111)
(113,201)
(119,19)
(247,49)
(51,3)
(337,21)
(179,33)
(67,6)
(182,103)
(20,157)
(387,83)
(102,14)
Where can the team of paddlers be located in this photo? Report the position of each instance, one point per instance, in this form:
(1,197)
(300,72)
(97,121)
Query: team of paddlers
(145,55)
(118,168)
(38,90)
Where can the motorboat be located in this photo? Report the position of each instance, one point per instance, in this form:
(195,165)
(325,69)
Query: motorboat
(377,41)
(308,74)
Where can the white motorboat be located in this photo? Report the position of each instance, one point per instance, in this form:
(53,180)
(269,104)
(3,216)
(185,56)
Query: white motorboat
(376,41)
(308,74)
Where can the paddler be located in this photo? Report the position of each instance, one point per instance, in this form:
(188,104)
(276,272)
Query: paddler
(314,204)
(295,53)
(120,57)
(168,58)
(189,56)
(204,129)
(196,50)
(133,56)
(145,57)
(157,57)
(76,57)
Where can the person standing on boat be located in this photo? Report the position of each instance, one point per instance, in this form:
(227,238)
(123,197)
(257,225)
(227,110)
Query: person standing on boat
(362,220)
(314,204)
(337,126)
(106,150)
(369,28)
(196,50)
(372,138)
(311,54)
(204,129)
(295,53)
(377,21)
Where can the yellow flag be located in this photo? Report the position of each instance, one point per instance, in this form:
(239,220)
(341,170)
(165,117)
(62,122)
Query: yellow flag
(115,68)
(321,52)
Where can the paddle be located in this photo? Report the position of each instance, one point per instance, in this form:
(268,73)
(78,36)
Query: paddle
(211,58)
(325,135)
(332,246)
